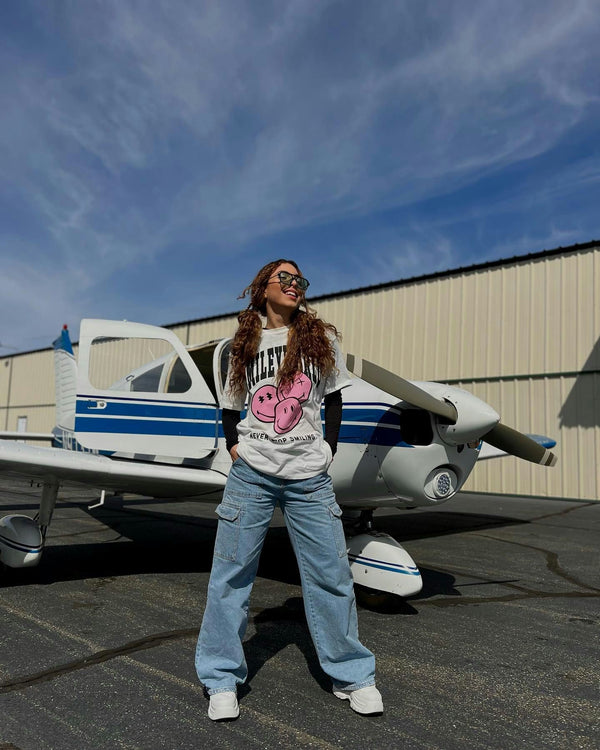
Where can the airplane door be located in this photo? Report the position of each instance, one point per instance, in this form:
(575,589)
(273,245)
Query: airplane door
(139,392)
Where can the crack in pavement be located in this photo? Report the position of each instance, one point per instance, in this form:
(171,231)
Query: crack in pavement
(526,594)
(141,644)
(524,591)
(301,737)
(565,511)
(552,562)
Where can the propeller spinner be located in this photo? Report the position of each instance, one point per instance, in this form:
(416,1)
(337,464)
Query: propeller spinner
(491,431)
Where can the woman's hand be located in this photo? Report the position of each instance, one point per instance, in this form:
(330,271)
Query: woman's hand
(233,452)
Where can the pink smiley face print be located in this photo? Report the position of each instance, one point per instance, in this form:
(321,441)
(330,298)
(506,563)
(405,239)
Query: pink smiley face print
(264,402)
(299,388)
(287,415)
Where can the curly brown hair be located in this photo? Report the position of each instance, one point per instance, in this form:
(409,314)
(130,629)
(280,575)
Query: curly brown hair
(308,340)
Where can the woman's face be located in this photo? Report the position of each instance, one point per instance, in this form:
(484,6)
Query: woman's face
(280,296)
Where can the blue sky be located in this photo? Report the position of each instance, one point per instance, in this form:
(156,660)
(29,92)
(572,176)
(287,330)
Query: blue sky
(155,154)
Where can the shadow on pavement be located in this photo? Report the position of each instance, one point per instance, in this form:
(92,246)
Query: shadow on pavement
(154,542)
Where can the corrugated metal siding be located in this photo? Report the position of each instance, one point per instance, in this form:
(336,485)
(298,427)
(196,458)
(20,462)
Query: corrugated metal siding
(114,359)
(533,406)
(27,389)
(5,378)
(524,336)
(39,419)
(32,381)
(202,331)
(539,319)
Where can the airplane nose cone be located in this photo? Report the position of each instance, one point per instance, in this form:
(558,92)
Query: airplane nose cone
(474,418)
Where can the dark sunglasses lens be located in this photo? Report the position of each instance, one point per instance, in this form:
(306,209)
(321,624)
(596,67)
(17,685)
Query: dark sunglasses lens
(286,278)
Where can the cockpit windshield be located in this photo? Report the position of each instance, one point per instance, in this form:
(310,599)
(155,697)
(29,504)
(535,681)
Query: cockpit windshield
(203,359)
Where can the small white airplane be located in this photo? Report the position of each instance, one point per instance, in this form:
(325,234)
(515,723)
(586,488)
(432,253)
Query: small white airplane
(139,413)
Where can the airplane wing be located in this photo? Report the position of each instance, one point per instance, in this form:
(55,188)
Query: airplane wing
(158,480)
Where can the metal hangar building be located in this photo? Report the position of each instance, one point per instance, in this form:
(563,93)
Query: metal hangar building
(521,333)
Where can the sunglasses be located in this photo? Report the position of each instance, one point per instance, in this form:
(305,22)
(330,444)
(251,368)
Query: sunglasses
(286,278)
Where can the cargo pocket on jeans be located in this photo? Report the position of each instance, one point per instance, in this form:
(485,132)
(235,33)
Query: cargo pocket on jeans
(228,531)
(338,529)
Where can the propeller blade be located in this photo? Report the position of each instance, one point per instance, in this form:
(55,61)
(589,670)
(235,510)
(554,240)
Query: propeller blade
(400,388)
(519,445)
(502,437)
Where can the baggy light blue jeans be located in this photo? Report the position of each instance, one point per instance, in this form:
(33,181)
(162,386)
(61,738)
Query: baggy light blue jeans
(312,517)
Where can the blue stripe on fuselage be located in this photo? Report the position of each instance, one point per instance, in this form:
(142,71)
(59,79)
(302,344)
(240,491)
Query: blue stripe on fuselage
(371,433)
(145,427)
(379,416)
(379,422)
(379,426)
(152,409)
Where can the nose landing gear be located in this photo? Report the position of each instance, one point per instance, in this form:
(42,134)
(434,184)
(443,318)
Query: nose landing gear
(378,562)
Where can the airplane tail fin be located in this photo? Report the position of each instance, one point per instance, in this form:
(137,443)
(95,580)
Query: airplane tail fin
(65,379)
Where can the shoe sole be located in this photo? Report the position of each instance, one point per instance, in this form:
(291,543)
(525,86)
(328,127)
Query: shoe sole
(375,711)
(228,717)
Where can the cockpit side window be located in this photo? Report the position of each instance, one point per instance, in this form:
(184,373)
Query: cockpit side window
(148,381)
(179,380)
(203,359)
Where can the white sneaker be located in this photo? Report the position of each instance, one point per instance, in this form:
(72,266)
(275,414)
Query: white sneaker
(223,706)
(366,701)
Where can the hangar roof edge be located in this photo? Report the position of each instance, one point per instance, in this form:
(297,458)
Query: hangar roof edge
(513,260)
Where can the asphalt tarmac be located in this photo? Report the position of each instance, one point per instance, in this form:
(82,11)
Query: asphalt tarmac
(500,650)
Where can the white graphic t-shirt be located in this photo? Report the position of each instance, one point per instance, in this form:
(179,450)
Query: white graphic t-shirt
(282,432)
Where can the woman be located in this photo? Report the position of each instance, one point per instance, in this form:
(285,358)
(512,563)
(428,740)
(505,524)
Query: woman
(283,371)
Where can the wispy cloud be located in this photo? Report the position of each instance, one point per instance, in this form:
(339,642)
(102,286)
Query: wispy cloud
(133,130)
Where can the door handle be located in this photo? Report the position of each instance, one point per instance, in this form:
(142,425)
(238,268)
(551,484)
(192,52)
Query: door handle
(98,405)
